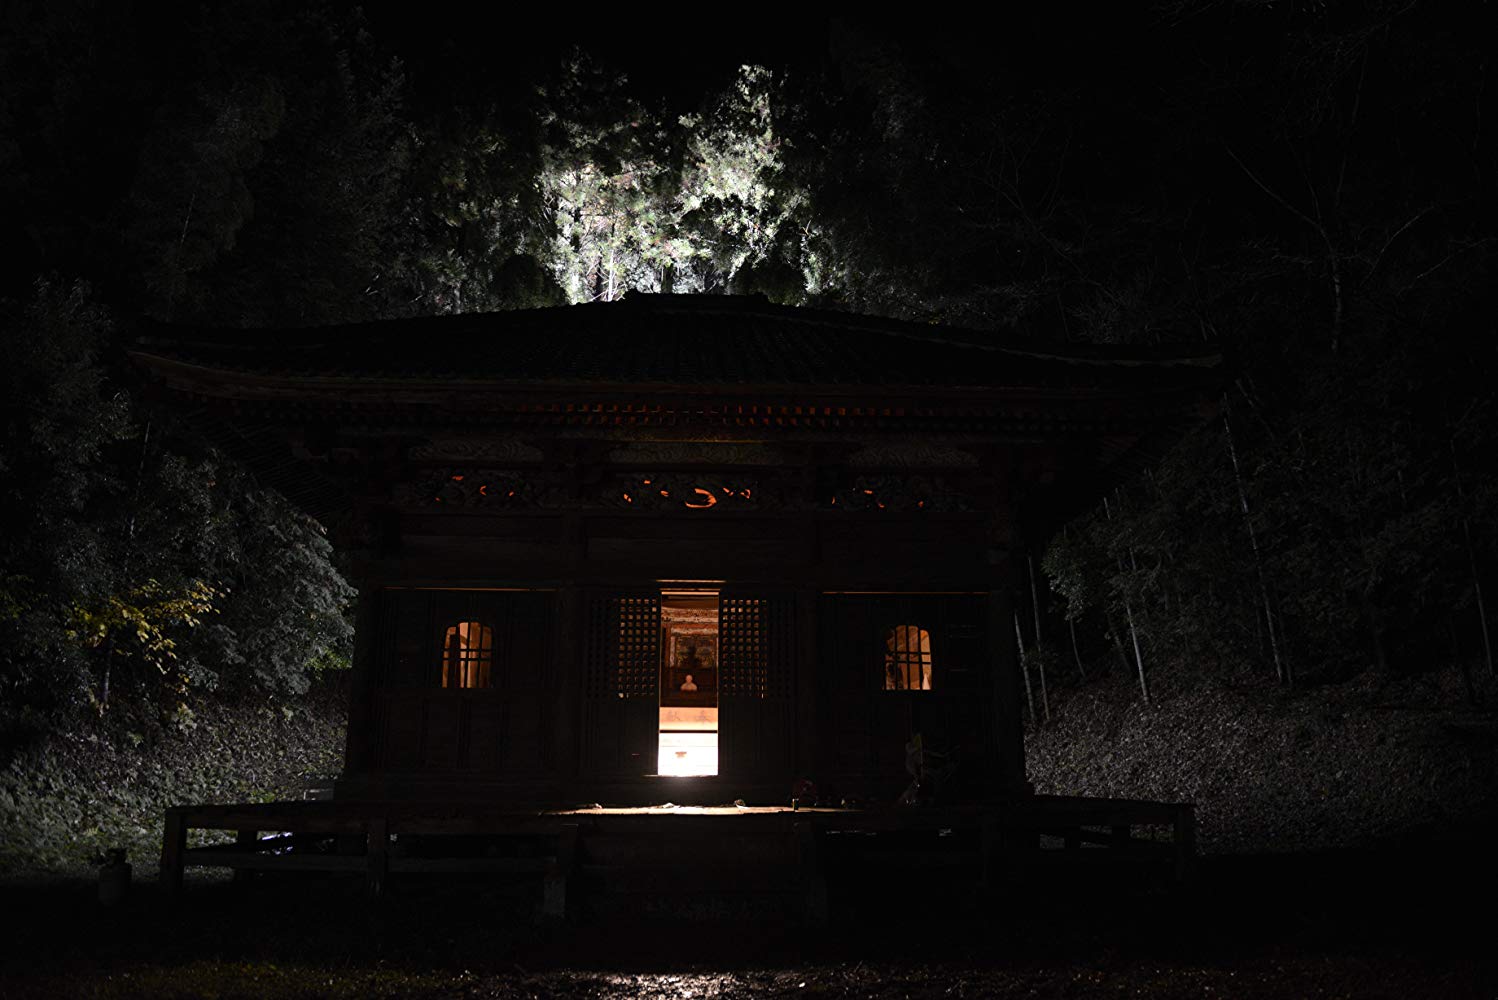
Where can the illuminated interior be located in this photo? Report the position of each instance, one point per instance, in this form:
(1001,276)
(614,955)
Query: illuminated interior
(467,655)
(688,685)
(907,659)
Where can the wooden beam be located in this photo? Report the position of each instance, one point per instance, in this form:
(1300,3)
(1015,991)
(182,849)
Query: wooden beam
(227,856)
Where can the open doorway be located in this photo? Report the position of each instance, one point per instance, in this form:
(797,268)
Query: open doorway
(688,736)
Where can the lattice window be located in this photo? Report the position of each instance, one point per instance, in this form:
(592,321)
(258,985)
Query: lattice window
(740,639)
(756,638)
(624,647)
(639,645)
(907,659)
(467,655)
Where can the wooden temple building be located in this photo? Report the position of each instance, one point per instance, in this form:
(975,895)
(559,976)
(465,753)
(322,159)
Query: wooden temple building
(685,549)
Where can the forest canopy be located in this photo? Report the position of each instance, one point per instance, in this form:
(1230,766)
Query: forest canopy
(1309,186)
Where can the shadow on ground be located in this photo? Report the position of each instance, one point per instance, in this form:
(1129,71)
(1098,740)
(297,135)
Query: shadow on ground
(1405,921)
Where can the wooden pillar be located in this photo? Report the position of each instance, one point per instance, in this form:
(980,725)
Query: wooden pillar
(558,872)
(378,856)
(810,674)
(567,709)
(173,847)
(992,846)
(1005,541)
(358,749)
(814,878)
(1185,843)
(1008,716)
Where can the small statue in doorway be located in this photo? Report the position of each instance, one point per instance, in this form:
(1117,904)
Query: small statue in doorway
(689,684)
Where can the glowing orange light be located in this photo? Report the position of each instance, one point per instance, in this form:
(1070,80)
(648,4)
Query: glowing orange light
(628,498)
(510,494)
(665,493)
(645,482)
(746,494)
(484,490)
(920,503)
(457,479)
(705,495)
(868,492)
(728,491)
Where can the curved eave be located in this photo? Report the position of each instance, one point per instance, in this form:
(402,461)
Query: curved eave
(207,381)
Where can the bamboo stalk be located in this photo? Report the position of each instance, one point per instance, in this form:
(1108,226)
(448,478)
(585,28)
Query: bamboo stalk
(1482,611)
(1281,670)
(1024,670)
(1129,617)
(1075,652)
(1045,699)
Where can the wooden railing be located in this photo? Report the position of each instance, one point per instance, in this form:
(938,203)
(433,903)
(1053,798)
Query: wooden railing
(370,827)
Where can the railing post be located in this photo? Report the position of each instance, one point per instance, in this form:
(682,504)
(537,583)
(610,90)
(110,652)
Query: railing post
(811,872)
(173,846)
(378,855)
(992,847)
(245,840)
(558,871)
(1185,843)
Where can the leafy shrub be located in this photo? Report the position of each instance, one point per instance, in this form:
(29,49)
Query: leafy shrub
(87,788)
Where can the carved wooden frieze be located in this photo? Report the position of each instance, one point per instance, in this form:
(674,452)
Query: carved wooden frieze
(495,488)
(688,491)
(898,493)
(587,485)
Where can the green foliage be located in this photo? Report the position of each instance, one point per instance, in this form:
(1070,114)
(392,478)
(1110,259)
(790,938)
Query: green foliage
(475,220)
(1340,531)
(637,203)
(140,624)
(61,420)
(267,187)
(286,617)
(143,567)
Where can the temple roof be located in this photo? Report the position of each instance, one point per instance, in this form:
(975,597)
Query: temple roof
(669,367)
(699,341)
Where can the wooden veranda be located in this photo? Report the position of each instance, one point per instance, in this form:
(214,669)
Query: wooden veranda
(692,848)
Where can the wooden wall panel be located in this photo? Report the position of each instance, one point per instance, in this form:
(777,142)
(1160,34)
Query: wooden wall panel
(485,731)
(441,732)
(501,730)
(400,731)
(870,726)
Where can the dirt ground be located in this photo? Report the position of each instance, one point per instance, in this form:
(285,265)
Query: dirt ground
(1405,923)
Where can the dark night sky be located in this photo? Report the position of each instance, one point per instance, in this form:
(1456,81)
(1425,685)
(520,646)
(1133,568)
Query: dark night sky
(680,58)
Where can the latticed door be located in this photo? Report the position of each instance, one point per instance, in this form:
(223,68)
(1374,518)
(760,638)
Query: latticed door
(621,699)
(757,642)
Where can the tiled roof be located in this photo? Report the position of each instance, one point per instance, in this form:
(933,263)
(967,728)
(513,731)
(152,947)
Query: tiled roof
(669,340)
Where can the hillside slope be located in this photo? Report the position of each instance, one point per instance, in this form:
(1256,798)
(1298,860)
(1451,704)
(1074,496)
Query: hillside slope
(81,790)
(1273,770)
